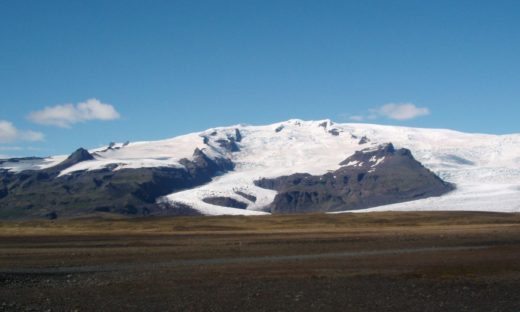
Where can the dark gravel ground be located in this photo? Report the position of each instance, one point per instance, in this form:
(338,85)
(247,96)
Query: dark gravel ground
(379,268)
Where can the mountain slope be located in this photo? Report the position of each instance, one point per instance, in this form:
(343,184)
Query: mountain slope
(484,168)
(129,191)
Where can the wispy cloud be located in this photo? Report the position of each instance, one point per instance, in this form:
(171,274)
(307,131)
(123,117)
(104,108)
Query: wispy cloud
(396,111)
(10,148)
(9,133)
(401,111)
(356,118)
(68,114)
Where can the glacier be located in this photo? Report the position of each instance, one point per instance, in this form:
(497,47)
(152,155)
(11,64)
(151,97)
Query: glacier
(484,167)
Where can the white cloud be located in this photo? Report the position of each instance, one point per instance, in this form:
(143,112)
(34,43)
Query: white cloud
(9,133)
(400,111)
(357,118)
(397,111)
(68,114)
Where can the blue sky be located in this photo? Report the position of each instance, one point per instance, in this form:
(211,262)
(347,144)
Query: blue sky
(84,73)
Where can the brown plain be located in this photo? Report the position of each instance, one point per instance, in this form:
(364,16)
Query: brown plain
(391,261)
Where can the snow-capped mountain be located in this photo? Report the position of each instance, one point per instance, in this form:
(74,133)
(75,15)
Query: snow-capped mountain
(484,168)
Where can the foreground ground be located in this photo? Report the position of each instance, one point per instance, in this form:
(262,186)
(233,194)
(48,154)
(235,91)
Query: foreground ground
(439,261)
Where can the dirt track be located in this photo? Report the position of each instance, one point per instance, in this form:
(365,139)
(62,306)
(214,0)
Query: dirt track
(377,262)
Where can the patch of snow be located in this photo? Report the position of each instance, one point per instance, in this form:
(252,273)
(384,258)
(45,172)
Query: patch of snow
(378,161)
(165,153)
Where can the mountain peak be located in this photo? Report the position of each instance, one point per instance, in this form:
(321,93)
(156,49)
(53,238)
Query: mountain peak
(79,155)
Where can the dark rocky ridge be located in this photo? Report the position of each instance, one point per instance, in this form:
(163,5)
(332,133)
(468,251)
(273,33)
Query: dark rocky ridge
(225,202)
(247,196)
(42,193)
(366,179)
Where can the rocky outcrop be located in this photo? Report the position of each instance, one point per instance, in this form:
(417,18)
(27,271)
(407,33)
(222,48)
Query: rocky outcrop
(238,135)
(228,141)
(363,140)
(334,132)
(247,196)
(228,144)
(225,202)
(369,178)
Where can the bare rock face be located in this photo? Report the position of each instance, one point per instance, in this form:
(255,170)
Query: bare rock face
(363,140)
(227,142)
(334,132)
(367,179)
(225,202)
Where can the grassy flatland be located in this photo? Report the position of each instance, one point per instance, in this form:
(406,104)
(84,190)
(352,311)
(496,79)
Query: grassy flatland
(107,224)
(388,261)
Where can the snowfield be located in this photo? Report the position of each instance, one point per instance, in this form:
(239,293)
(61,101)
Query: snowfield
(485,168)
